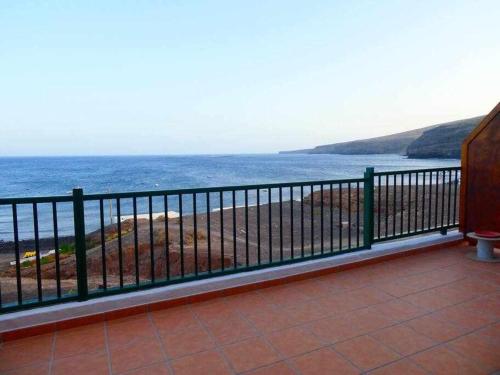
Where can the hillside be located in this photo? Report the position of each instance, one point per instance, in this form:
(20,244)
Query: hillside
(437,141)
(443,141)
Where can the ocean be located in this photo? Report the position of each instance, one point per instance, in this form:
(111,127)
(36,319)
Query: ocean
(43,176)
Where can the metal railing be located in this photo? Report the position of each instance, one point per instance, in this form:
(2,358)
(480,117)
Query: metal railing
(214,231)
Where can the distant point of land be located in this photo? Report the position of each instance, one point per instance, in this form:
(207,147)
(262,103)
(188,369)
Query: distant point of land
(435,141)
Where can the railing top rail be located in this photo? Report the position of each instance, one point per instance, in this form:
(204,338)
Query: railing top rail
(420,170)
(30,200)
(217,189)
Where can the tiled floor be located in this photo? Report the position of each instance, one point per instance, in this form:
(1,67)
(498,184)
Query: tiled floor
(437,312)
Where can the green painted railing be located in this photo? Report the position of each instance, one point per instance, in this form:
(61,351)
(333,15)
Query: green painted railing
(218,231)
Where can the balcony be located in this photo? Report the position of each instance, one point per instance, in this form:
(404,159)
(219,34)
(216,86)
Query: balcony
(431,312)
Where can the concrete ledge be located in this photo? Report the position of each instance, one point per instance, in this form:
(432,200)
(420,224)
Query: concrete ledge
(46,319)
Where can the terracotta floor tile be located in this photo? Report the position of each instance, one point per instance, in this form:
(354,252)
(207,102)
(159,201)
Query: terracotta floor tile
(306,311)
(79,341)
(399,310)
(213,310)
(294,341)
(36,369)
(487,305)
(430,300)
(283,296)
(403,339)
(396,289)
(37,349)
(367,319)
(204,363)
(312,289)
(82,364)
(160,368)
(366,352)
(332,330)
(491,332)
(475,286)
(403,366)
(464,317)
(280,368)
(132,320)
(247,303)
(231,330)
(437,330)
(270,319)
(186,342)
(324,361)
(250,354)
(369,296)
(443,361)
(174,319)
(140,353)
(479,349)
(340,303)
(126,332)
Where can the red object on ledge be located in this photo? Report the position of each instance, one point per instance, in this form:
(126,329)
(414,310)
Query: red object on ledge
(487,233)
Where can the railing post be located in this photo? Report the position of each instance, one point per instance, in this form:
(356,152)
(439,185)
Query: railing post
(80,247)
(368,208)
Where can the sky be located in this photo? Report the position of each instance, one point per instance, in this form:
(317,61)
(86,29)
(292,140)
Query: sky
(203,77)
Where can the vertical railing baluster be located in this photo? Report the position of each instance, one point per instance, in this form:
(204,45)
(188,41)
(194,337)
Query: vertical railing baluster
(443,197)
(247,250)
(416,200)
(430,201)
(103,245)
(386,205)
(394,194)
(331,217)
(258,229)
(449,198)
(312,220)
(402,202)
(136,242)
(368,208)
(151,239)
(302,221)
(340,216)
(56,248)
(181,234)
(209,235)
(455,198)
(357,213)
(16,250)
(195,234)
(270,226)
(291,223)
(221,219)
(409,203)
(280,191)
(378,206)
(436,201)
(37,252)
(80,246)
(235,255)
(349,214)
(120,247)
(167,238)
(422,226)
(322,220)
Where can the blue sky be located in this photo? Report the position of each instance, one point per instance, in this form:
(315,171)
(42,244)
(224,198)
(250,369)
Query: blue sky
(170,77)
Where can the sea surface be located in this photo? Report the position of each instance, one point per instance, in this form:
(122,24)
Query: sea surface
(43,176)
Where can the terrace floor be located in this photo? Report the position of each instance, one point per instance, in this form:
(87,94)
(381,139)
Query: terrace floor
(437,312)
